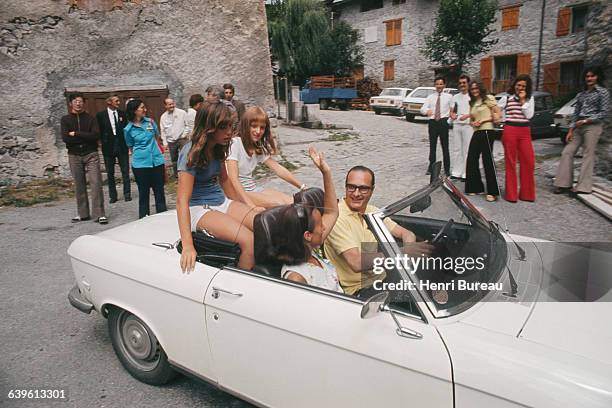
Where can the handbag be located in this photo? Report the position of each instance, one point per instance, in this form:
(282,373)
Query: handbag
(213,251)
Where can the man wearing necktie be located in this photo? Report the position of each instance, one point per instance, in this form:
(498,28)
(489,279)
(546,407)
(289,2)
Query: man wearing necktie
(437,108)
(111,122)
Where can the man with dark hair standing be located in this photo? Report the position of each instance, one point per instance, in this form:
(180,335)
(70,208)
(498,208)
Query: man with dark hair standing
(80,133)
(195,103)
(111,122)
(437,108)
(229,92)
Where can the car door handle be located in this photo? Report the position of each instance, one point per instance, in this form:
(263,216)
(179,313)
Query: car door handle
(216,291)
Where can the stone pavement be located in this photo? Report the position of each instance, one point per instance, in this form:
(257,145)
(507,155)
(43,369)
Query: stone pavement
(397,151)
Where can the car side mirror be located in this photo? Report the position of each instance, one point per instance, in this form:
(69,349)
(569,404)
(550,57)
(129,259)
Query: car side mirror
(374,305)
(420,205)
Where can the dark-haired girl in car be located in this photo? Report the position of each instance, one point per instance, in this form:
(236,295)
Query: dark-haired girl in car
(304,226)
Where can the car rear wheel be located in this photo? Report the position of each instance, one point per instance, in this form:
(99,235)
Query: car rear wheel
(323,104)
(409,117)
(138,349)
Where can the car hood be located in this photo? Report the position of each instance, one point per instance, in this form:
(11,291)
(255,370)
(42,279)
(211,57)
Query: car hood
(573,309)
(395,98)
(564,299)
(583,329)
(415,100)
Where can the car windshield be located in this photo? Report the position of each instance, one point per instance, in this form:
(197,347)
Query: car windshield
(469,253)
(421,93)
(391,92)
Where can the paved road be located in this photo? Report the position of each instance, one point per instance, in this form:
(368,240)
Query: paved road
(45,343)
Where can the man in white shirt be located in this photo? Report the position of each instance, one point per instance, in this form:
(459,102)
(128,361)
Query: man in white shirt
(462,131)
(172,124)
(195,103)
(437,108)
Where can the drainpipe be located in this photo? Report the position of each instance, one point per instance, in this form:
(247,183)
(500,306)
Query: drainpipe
(540,46)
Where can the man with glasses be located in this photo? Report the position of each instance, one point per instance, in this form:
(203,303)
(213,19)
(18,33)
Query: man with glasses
(462,131)
(351,246)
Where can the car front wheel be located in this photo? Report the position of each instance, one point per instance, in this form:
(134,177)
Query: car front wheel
(377,111)
(409,117)
(138,349)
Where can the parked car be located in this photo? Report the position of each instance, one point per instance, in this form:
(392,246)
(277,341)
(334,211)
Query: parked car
(277,343)
(542,125)
(412,103)
(389,100)
(562,119)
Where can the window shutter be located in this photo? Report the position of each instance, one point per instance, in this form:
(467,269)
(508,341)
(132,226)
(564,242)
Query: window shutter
(523,66)
(389,72)
(510,18)
(486,71)
(551,78)
(563,21)
(398,32)
(393,32)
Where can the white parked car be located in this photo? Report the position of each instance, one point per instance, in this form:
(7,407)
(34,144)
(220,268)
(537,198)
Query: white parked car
(277,343)
(389,100)
(562,119)
(411,105)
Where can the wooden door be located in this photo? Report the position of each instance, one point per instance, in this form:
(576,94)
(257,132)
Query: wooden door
(95,100)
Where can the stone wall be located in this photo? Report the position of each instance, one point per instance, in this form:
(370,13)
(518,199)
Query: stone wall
(525,38)
(48,46)
(411,69)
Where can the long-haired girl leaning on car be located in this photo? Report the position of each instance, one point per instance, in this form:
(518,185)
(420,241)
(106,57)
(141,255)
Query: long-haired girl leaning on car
(200,202)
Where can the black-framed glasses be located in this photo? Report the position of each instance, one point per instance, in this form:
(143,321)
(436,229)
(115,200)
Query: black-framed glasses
(351,188)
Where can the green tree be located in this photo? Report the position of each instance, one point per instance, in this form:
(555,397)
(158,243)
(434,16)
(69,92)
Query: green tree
(461,29)
(304,44)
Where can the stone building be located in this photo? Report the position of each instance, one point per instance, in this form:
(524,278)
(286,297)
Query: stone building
(544,38)
(146,48)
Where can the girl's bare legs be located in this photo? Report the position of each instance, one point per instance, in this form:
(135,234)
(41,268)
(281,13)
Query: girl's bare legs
(269,198)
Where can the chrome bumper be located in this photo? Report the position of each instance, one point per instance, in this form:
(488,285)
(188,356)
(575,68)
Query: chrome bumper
(77,300)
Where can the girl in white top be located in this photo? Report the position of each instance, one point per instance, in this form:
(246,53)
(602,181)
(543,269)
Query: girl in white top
(255,145)
(306,224)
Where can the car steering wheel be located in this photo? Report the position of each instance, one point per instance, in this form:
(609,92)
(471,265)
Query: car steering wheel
(443,231)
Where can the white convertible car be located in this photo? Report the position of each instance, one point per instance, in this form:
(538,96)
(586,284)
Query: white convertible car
(518,336)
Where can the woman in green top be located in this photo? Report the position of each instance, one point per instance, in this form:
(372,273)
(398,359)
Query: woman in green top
(484,112)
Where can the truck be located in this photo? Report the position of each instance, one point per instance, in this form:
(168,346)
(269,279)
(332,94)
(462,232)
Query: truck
(328,90)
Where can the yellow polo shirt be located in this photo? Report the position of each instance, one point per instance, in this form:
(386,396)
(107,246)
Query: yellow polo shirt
(351,231)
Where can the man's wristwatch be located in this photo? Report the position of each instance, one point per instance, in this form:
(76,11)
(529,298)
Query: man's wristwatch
(303,187)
